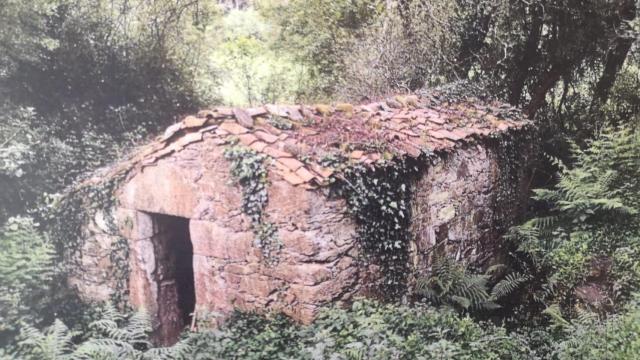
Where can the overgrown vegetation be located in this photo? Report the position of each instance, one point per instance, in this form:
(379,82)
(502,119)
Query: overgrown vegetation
(249,171)
(112,336)
(379,202)
(27,272)
(589,235)
(82,80)
(451,284)
(367,330)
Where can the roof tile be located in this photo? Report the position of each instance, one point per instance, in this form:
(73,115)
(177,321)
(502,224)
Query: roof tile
(208,128)
(233,128)
(444,134)
(258,146)
(223,111)
(192,121)
(276,110)
(171,130)
(266,136)
(461,132)
(321,170)
(294,114)
(207,114)
(407,123)
(243,118)
(291,163)
(247,139)
(291,177)
(436,119)
(188,139)
(275,153)
(409,132)
(304,174)
(257,111)
(269,129)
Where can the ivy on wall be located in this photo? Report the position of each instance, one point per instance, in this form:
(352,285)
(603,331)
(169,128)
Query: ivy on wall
(249,171)
(70,216)
(512,160)
(379,200)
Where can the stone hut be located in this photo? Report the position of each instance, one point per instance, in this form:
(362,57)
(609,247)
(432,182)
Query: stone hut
(236,209)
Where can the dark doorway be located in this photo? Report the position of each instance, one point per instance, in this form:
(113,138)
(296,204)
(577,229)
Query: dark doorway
(183,251)
(174,276)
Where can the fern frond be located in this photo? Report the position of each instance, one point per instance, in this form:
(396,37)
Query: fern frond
(554,312)
(508,285)
(182,350)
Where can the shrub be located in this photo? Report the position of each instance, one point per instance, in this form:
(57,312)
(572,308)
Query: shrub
(27,270)
(113,336)
(367,330)
(591,232)
(617,338)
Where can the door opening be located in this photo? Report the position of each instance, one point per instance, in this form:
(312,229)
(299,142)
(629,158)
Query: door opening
(174,276)
(182,247)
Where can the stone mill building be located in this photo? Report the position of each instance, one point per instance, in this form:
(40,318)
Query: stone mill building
(249,208)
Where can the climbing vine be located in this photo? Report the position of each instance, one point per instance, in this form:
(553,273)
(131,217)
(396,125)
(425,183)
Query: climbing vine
(248,170)
(512,160)
(69,217)
(379,201)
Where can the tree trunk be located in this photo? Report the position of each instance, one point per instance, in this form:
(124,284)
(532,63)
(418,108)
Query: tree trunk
(539,94)
(529,56)
(474,33)
(617,53)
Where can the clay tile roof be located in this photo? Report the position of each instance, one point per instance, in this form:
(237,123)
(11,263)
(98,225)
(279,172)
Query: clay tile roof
(404,125)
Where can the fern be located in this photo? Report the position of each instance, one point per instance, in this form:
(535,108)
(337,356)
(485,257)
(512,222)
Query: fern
(509,284)
(555,313)
(181,350)
(450,284)
(593,212)
(114,337)
(55,343)
(27,271)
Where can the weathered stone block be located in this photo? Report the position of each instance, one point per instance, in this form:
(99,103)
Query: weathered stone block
(134,224)
(210,239)
(173,193)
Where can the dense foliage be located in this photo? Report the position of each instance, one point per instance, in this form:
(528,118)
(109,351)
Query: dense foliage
(379,202)
(83,80)
(590,234)
(615,339)
(27,271)
(367,330)
(112,336)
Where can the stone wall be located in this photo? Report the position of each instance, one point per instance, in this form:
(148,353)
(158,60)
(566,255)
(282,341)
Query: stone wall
(315,264)
(466,200)
(91,275)
(458,202)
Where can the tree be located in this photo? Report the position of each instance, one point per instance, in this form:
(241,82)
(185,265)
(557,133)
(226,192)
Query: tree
(81,79)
